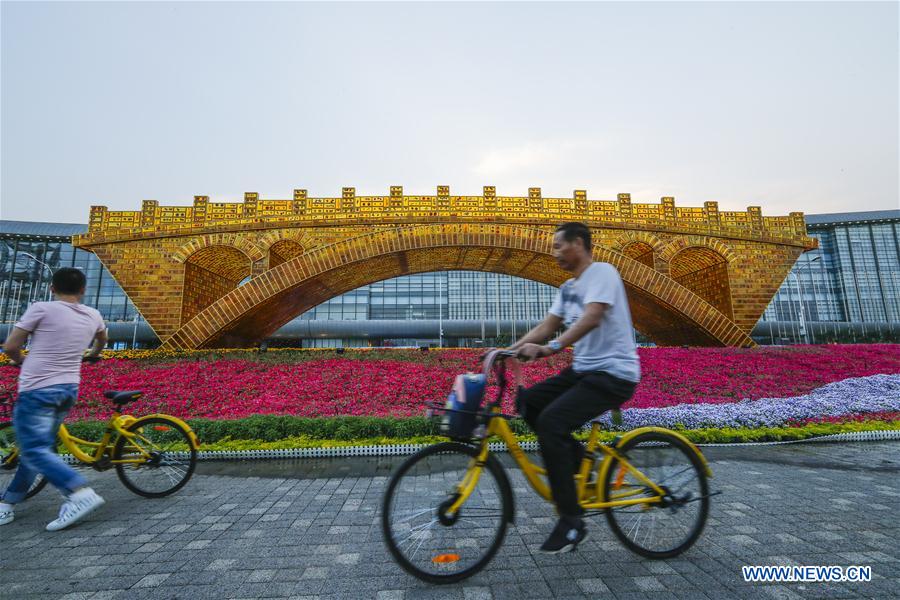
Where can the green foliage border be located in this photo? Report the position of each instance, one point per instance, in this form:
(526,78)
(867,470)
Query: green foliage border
(269,432)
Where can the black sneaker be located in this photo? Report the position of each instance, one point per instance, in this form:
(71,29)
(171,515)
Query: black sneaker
(565,537)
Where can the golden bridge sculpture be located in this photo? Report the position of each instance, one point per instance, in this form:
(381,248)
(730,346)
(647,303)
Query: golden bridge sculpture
(230,274)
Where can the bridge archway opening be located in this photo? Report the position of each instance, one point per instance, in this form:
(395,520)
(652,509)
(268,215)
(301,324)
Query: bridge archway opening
(705,272)
(665,311)
(657,321)
(283,251)
(209,274)
(639,251)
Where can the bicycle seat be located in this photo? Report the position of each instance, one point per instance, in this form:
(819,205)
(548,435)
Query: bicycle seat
(121,398)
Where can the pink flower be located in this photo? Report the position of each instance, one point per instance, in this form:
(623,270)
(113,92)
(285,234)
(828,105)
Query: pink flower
(403,382)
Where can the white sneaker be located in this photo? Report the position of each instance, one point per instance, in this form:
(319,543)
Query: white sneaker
(79,505)
(7,513)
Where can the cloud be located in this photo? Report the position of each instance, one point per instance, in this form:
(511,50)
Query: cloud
(544,156)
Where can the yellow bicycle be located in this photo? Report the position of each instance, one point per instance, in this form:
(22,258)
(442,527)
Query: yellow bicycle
(153,455)
(446,509)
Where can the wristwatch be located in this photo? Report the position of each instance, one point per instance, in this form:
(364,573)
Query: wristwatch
(554,345)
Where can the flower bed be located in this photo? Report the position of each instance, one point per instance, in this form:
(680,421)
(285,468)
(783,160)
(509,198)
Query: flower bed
(399,383)
(876,395)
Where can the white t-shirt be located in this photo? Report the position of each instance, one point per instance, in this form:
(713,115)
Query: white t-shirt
(60,333)
(610,346)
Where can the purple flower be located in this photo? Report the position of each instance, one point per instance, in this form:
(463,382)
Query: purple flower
(854,396)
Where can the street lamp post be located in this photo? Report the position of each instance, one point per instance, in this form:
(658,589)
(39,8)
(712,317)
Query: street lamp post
(20,286)
(482,303)
(40,262)
(134,335)
(440,311)
(512,307)
(803,331)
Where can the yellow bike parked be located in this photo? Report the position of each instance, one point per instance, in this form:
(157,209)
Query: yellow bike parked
(446,509)
(154,455)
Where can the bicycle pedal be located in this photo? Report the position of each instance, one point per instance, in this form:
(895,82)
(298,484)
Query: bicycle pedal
(102,464)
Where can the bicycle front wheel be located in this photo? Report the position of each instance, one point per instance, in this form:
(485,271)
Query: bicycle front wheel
(429,539)
(669,527)
(158,460)
(9,462)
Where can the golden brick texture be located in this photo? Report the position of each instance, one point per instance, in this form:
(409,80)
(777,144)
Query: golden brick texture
(694,276)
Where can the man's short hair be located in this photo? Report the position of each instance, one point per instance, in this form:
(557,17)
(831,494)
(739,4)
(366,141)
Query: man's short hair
(69,280)
(574,230)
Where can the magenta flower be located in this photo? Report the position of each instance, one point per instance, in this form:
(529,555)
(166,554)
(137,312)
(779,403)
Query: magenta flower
(405,382)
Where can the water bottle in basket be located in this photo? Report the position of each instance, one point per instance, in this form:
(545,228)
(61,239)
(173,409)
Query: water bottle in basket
(463,404)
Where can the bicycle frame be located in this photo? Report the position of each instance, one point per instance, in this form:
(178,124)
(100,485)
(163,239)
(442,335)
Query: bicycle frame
(534,474)
(117,426)
(588,500)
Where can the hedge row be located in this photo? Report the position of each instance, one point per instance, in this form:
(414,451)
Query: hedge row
(311,432)
(271,428)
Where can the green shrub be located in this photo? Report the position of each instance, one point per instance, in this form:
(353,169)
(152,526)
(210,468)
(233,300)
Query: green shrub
(268,429)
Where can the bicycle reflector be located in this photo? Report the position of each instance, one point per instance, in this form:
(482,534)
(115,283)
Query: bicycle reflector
(161,428)
(620,478)
(442,559)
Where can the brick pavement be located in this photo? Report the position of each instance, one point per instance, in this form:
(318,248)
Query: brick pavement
(309,529)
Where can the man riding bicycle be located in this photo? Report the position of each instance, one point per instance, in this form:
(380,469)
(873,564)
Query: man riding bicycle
(604,373)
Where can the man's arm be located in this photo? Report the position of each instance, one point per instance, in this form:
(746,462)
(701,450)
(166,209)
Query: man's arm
(99,344)
(14,344)
(540,333)
(590,318)
(593,314)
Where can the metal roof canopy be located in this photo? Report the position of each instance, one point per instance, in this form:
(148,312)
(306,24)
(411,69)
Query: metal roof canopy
(866,216)
(33,229)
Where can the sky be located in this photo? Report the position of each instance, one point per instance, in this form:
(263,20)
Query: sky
(788,106)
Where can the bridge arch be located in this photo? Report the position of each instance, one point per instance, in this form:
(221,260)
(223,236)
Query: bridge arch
(239,242)
(668,252)
(641,252)
(704,271)
(662,309)
(267,240)
(209,274)
(642,246)
(283,251)
(644,237)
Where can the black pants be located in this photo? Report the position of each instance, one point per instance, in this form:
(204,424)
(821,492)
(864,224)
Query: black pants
(558,406)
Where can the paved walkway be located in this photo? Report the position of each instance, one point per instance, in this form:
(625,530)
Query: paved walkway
(309,529)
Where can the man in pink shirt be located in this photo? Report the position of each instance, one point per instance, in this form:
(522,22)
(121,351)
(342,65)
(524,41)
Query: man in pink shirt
(48,387)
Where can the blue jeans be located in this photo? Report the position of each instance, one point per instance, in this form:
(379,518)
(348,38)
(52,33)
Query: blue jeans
(36,420)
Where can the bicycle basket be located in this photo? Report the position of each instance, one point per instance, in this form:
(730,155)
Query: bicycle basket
(463,405)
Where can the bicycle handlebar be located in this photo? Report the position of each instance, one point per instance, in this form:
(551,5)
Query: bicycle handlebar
(501,354)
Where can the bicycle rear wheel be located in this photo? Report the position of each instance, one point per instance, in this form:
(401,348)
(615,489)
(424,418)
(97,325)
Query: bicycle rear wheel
(666,529)
(160,457)
(424,538)
(9,462)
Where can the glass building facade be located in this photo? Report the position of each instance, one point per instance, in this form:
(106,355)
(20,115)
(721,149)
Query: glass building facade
(446,295)
(29,252)
(847,290)
(498,307)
